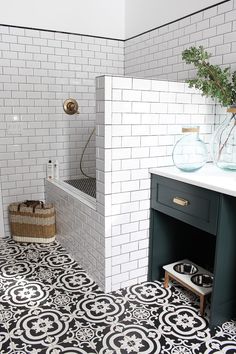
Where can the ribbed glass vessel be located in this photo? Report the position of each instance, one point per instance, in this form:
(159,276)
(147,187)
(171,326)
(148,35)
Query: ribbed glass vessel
(190,152)
(223,144)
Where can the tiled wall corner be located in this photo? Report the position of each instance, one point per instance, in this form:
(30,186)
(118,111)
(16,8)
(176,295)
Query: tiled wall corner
(143,121)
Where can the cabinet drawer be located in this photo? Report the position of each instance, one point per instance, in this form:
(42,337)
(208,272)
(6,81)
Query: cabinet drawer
(193,205)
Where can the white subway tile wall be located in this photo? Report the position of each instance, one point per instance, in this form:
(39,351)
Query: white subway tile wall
(135,136)
(39,70)
(157,54)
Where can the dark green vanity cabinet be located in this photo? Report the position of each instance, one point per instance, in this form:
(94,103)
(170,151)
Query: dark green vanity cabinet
(190,222)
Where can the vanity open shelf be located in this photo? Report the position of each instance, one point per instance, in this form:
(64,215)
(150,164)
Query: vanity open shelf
(193,221)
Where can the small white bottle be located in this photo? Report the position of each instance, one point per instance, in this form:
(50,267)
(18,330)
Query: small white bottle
(56,169)
(50,169)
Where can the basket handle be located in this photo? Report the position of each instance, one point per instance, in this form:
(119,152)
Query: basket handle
(32,203)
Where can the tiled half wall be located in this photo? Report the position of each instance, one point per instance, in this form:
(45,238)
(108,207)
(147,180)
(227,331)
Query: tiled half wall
(138,122)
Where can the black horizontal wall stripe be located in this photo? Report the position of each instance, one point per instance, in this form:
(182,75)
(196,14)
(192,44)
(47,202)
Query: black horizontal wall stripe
(117,39)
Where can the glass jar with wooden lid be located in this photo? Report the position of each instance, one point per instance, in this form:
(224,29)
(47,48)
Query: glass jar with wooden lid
(190,152)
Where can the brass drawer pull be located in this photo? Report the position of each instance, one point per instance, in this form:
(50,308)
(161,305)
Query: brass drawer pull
(180,201)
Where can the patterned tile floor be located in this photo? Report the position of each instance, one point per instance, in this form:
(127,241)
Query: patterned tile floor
(49,305)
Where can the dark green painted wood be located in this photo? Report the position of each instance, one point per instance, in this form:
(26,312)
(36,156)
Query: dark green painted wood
(202,210)
(174,236)
(174,240)
(223,306)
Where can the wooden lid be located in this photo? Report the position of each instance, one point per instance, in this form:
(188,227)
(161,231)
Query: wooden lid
(231,109)
(190,130)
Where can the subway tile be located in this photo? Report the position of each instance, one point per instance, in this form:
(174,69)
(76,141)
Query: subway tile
(140,130)
(138,272)
(120,198)
(138,254)
(129,187)
(116,269)
(120,176)
(121,130)
(129,266)
(140,84)
(140,107)
(140,195)
(120,259)
(121,83)
(129,247)
(120,277)
(122,107)
(131,95)
(224,28)
(140,152)
(130,164)
(128,207)
(131,141)
(147,141)
(123,153)
(131,118)
(159,107)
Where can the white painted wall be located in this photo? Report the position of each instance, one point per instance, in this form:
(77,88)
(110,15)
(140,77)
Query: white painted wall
(143,15)
(93,17)
(120,19)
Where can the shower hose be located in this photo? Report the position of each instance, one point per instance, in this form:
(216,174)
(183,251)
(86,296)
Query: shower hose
(82,155)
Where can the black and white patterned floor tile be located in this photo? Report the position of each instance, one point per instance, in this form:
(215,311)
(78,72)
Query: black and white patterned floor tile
(49,305)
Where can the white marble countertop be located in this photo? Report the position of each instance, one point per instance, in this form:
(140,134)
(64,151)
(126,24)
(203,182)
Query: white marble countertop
(209,177)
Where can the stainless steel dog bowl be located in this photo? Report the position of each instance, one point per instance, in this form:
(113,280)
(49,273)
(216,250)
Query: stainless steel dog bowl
(204,280)
(185,268)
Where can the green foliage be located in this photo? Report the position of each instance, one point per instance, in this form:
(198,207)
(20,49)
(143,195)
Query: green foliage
(212,80)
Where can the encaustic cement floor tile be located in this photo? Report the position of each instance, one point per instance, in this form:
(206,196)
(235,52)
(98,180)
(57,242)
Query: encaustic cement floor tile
(126,337)
(49,305)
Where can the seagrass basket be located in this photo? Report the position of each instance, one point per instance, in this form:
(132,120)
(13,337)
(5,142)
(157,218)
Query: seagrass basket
(32,221)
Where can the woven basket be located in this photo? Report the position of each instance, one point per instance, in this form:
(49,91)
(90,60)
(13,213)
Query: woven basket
(32,221)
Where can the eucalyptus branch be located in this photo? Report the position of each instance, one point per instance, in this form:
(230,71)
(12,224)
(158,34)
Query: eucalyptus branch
(212,80)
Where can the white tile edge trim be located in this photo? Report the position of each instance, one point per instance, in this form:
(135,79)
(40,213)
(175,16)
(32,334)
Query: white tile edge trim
(82,197)
(2,229)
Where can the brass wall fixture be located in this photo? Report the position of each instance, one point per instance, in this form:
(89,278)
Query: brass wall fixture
(71,106)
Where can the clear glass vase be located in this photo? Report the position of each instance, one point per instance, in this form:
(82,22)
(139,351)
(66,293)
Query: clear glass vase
(223,144)
(190,152)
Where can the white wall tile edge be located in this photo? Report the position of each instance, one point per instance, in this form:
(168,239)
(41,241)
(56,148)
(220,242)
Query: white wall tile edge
(209,177)
(82,197)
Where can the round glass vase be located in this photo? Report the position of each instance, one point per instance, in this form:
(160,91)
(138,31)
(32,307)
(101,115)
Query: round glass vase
(223,144)
(190,152)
